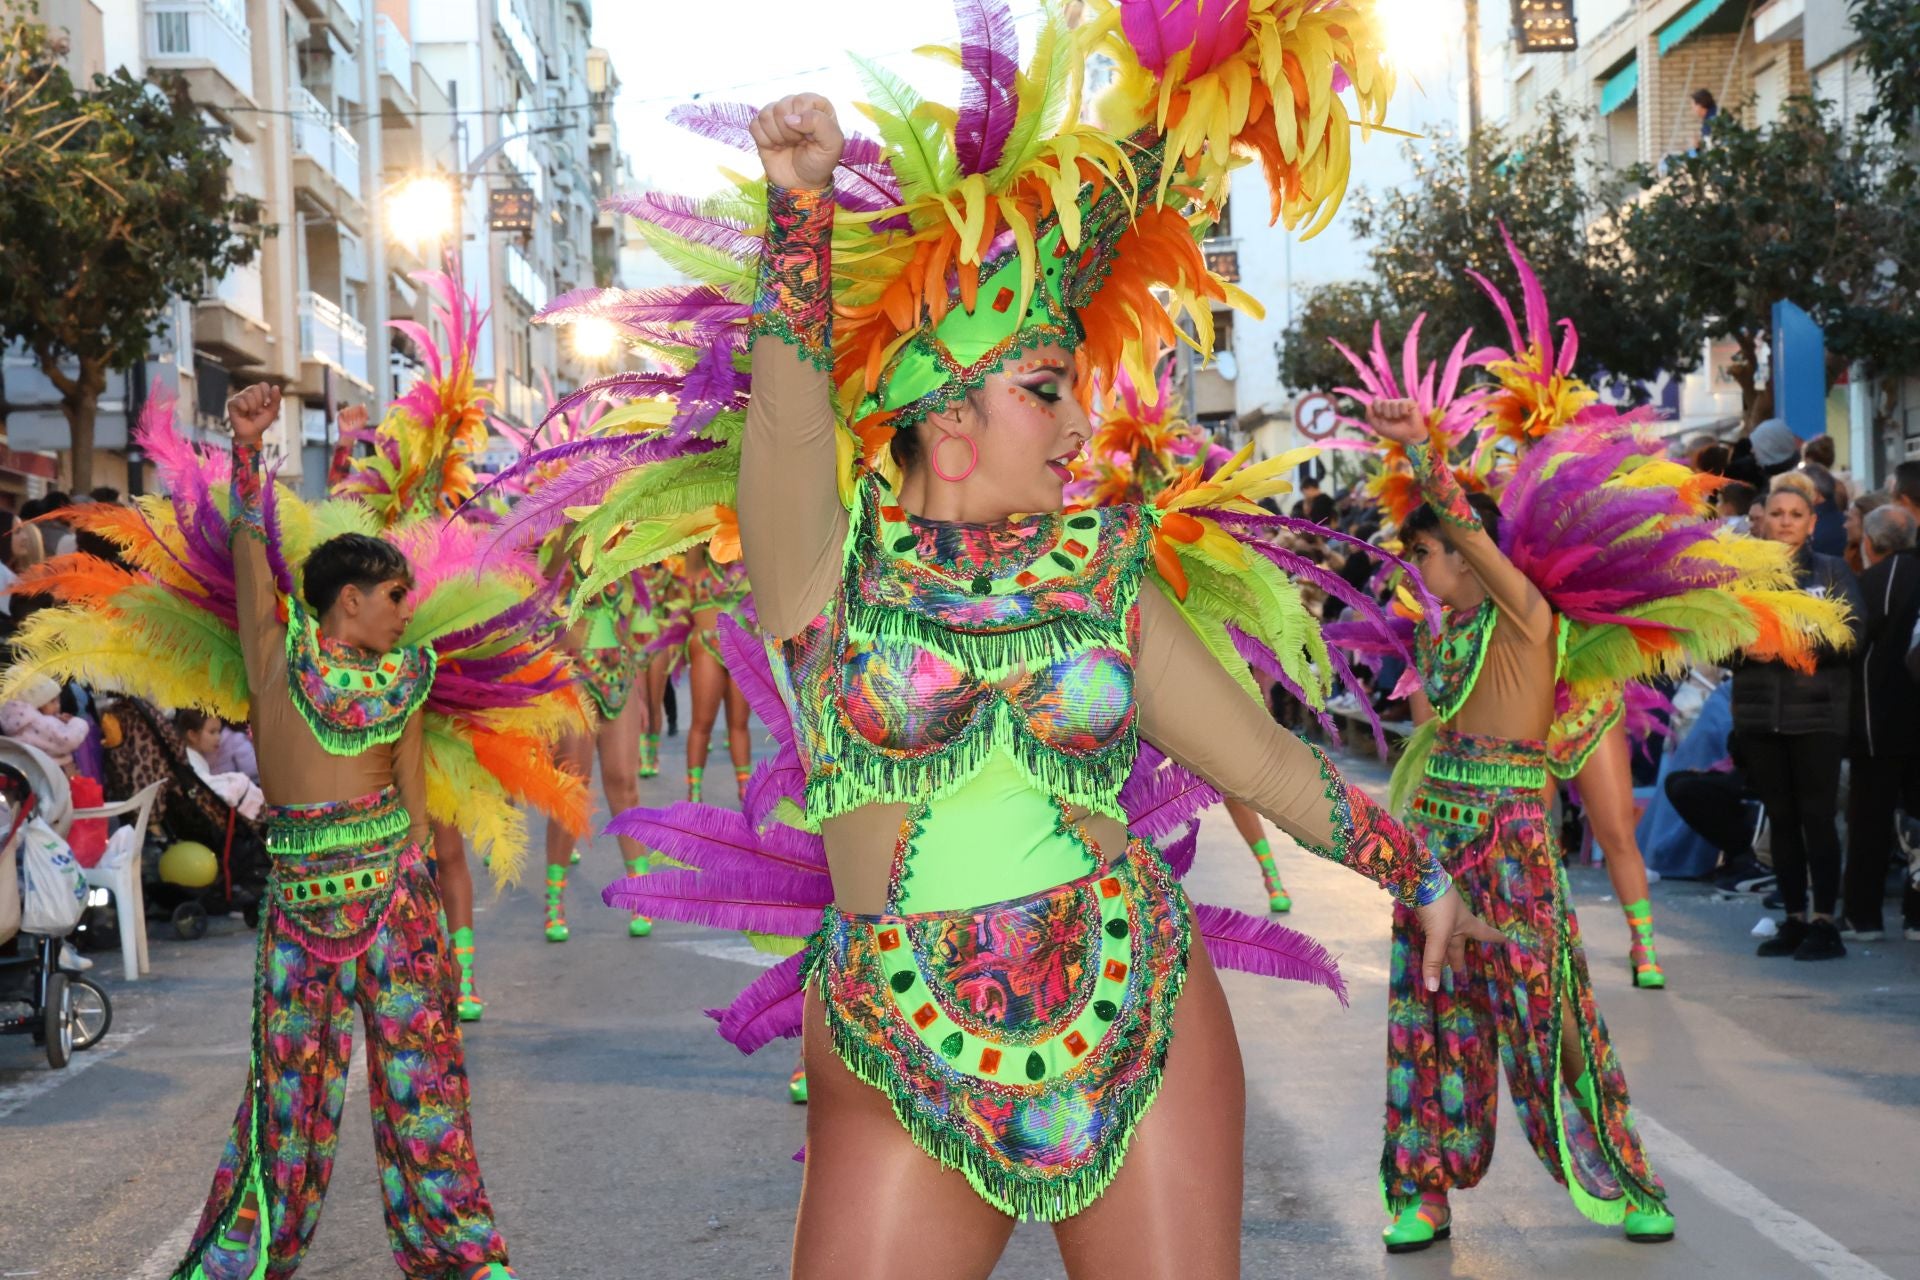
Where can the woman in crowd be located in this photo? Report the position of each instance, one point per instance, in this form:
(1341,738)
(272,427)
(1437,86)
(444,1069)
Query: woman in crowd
(1793,730)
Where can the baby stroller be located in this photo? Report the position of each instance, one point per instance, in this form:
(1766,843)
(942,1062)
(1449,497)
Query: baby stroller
(143,747)
(63,1010)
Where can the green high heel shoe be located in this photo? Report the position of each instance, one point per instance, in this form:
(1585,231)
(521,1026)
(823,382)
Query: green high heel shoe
(649,755)
(557,930)
(1642,960)
(797,1085)
(1419,1225)
(640,926)
(470,1005)
(1279,901)
(694,776)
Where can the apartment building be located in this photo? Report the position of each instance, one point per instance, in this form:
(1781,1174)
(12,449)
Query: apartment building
(1635,71)
(335,112)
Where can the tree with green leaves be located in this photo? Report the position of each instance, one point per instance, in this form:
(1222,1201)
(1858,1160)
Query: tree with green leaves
(1889,32)
(113,202)
(1430,231)
(1797,210)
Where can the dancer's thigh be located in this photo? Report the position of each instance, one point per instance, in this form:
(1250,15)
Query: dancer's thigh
(873,1204)
(1174,1209)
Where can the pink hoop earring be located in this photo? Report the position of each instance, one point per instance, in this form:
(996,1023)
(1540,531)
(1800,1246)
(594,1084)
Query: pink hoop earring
(973,458)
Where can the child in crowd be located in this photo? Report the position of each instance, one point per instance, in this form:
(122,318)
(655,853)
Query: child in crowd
(203,734)
(35,718)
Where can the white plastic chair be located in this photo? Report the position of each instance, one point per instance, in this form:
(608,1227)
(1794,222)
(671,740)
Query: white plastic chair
(118,872)
(122,878)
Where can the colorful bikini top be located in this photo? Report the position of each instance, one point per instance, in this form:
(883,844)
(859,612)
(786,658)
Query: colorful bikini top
(352,699)
(719,585)
(949,642)
(609,615)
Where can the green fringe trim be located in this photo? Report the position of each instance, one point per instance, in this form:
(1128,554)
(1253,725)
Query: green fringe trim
(1605,1212)
(1018,1197)
(988,656)
(301,837)
(776,325)
(1444,766)
(859,775)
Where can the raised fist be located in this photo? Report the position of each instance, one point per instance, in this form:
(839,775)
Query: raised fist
(1397,420)
(250,413)
(800,141)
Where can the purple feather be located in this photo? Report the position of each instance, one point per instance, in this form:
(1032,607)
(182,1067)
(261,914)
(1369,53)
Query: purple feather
(989,61)
(752,671)
(1262,659)
(712,386)
(714,839)
(1178,854)
(862,182)
(780,778)
(771,1008)
(669,304)
(683,217)
(1236,940)
(270,524)
(615,386)
(1160,801)
(757,902)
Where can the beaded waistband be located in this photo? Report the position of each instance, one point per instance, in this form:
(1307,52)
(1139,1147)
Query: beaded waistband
(336,826)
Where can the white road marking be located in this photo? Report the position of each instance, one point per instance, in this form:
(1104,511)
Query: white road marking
(15,1096)
(729,948)
(1773,1221)
(166,1255)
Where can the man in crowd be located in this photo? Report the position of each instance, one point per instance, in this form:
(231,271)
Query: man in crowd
(1885,750)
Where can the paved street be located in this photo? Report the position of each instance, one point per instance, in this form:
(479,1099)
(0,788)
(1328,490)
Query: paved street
(621,1138)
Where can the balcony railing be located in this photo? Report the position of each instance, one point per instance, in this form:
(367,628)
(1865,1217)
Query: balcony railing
(242,292)
(318,135)
(331,336)
(518,37)
(393,55)
(194,33)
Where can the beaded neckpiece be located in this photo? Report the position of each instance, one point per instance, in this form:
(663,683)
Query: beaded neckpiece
(1450,666)
(352,699)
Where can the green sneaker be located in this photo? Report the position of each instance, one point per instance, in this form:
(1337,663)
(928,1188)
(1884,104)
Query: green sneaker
(1649,1224)
(1418,1226)
(557,930)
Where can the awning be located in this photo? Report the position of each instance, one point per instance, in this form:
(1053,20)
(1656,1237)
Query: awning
(1689,21)
(1619,88)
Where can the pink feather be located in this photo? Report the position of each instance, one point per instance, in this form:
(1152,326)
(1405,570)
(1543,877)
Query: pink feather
(1236,940)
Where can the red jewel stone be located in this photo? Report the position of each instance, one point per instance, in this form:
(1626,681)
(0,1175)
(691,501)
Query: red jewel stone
(367,681)
(924,1016)
(1075,547)
(1110,888)
(1025,580)
(325,669)
(989,1061)
(1076,1043)
(1116,971)
(896,514)
(387,667)
(1003,300)
(889,939)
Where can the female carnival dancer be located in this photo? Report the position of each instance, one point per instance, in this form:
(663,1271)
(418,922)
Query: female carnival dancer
(608,655)
(716,589)
(373,714)
(1631,580)
(1001,1003)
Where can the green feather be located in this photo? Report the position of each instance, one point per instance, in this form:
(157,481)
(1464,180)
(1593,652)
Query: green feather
(921,153)
(1045,91)
(738,280)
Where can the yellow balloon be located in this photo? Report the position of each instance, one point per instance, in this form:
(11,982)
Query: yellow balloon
(189,865)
